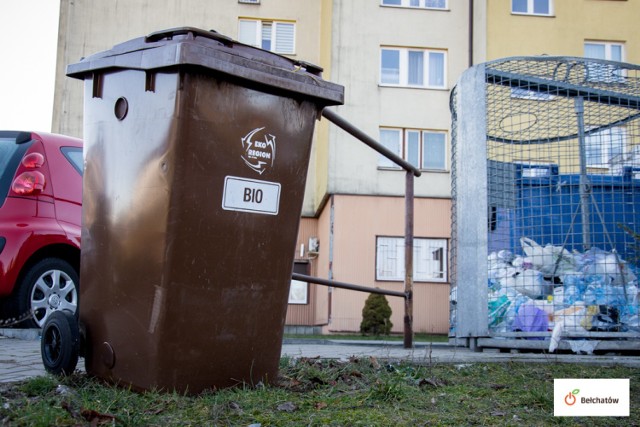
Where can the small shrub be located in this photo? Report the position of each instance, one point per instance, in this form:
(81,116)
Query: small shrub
(376,316)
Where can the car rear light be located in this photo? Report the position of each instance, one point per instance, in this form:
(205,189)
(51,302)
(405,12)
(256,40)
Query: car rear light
(33,161)
(28,183)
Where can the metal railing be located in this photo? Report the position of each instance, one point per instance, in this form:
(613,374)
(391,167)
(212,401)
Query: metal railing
(411,171)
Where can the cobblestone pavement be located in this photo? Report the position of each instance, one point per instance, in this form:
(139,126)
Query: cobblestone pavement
(20,356)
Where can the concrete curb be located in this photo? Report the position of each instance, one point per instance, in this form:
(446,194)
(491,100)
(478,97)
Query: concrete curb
(21,334)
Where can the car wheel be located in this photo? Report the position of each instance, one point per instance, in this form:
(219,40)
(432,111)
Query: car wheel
(51,285)
(60,343)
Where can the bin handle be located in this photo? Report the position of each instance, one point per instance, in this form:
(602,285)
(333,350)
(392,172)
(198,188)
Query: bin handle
(171,32)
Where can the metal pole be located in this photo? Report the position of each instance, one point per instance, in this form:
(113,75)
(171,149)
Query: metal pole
(408,262)
(585,183)
(343,285)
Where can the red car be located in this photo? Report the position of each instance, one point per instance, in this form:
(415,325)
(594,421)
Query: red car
(40,218)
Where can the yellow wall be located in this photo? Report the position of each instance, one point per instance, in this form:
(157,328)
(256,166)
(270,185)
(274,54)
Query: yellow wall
(574,22)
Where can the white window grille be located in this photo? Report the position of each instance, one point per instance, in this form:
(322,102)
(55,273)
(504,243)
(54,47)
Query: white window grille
(429,259)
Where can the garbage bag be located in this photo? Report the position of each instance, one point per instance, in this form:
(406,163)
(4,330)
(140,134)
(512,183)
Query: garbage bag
(609,265)
(607,320)
(549,260)
(571,318)
(497,309)
(530,283)
(530,319)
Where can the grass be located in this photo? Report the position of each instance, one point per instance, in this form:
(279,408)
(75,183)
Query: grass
(320,392)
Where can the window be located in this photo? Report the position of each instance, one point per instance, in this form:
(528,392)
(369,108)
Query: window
(423,149)
(423,4)
(413,68)
(74,155)
(429,259)
(606,73)
(605,145)
(273,36)
(299,290)
(532,7)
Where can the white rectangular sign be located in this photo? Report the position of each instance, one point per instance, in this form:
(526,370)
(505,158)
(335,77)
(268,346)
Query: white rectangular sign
(591,397)
(251,195)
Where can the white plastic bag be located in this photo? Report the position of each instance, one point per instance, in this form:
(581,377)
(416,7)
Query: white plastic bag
(608,265)
(529,283)
(549,260)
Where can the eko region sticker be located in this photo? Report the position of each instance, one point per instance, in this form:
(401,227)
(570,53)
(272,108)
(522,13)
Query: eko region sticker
(259,150)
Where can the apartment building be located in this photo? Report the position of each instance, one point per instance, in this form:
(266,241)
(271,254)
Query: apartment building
(398,61)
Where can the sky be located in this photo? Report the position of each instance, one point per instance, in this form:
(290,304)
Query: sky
(27,63)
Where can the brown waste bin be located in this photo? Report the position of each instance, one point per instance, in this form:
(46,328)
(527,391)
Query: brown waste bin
(196,154)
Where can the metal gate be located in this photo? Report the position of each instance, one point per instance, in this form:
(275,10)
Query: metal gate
(546,205)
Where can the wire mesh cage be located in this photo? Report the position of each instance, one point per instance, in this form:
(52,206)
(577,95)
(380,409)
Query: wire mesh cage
(546,204)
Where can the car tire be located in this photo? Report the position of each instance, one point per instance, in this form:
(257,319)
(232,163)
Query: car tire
(50,285)
(60,343)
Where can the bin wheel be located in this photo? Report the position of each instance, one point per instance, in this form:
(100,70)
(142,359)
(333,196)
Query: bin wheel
(60,344)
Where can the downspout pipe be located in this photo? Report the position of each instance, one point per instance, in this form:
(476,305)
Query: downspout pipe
(470,33)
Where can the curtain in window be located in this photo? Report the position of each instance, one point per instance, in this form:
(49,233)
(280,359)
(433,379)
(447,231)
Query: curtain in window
(390,68)
(593,50)
(390,138)
(616,52)
(434,151)
(604,72)
(413,148)
(248,32)
(267,28)
(416,68)
(436,69)
(541,7)
(593,145)
(605,146)
(519,6)
(285,33)
(436,4)
(389,258)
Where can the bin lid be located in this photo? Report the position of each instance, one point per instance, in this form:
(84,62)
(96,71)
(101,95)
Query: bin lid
(187,46)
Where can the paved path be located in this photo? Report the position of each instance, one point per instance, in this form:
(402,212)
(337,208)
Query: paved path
(20,357)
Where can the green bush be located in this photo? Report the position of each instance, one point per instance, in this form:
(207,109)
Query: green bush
(376,316)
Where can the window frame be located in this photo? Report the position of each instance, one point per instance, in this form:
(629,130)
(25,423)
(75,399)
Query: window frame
(403,68)
(402,148)
(605,73)
(299,290)
(259,39)
(607,49)
(422,4)
(531,9)
(421,272)
(603,141)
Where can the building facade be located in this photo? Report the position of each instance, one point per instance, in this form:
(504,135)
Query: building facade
(398,61)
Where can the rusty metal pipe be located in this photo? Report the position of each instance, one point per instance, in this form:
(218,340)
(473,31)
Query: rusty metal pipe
(349,286)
